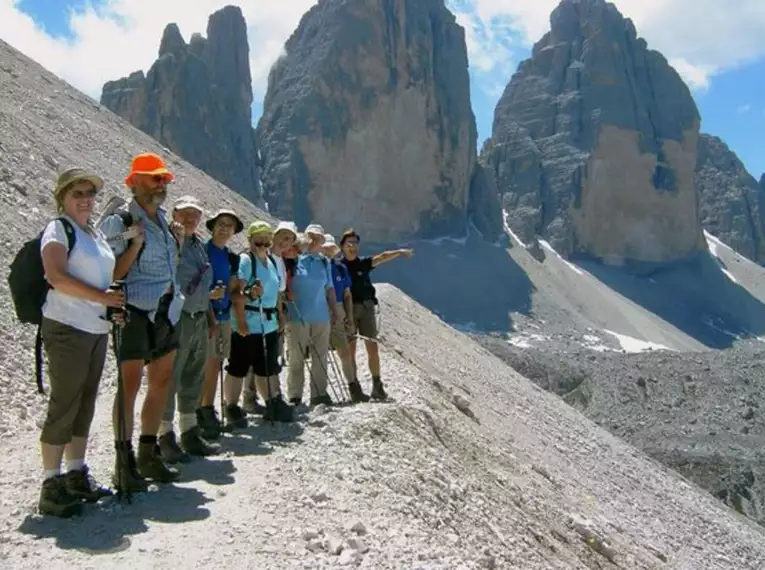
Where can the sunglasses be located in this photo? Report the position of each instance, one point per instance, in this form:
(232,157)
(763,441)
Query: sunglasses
(160,179)
(261,243)
(80,194)
(351,242)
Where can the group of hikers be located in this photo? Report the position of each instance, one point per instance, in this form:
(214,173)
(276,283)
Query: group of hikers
(179,308)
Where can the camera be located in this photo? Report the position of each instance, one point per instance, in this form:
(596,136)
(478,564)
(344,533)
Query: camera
(118,285)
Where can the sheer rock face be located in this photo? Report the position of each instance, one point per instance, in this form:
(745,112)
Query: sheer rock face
(367,121)
(594,143)
(196,100)
(732,201)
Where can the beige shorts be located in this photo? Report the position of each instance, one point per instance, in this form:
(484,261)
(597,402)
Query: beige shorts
(365,319)
(341,334)
(220,340)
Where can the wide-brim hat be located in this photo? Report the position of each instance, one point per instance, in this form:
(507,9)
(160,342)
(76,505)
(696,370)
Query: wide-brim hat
(72,175)
(150,164)
(315,230)
(210,223)
(329,242)
(290,227)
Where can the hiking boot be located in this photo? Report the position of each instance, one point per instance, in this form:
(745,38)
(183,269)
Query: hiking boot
(284,412)
(170,450)
(235,417)
(81,484)
(357,394)
(56,500)
(251,405)
(325,399)
(126,471)
(378,392)
(277,410)
(194,444)
(151,465)
(208,422)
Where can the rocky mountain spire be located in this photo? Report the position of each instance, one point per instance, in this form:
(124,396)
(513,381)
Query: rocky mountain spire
(196,100)
(594,141)
(367,122)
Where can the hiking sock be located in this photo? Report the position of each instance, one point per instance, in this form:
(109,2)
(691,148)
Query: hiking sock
(152,439)
(50,473)
(186,422)
(165,427)
(75,465)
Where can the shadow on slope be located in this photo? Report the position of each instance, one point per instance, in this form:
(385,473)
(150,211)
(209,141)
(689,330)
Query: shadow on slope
(694,295)
(468,283)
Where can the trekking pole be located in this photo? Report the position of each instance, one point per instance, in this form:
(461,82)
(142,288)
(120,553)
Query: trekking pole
(123,490)
(337,369)
(265,356)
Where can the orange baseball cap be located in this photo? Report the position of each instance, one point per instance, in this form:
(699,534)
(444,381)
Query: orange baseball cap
(148,163)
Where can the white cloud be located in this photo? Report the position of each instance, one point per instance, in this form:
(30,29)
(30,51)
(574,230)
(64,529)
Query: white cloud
(122,36)
(743,109)
(699,37)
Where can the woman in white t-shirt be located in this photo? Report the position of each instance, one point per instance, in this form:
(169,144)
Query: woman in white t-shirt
(75,334)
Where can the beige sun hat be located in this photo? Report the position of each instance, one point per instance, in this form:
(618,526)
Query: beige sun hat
(76,174)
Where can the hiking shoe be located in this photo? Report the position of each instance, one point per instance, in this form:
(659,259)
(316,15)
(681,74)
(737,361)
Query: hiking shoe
(284,412)
(170,450)
(357,394)
(81,484)
(126,471)
(235,416)
(277,410)
(324,399)
(208,422)
(378,392)
(194,444)
(152,466)
(251,405)
(56,500)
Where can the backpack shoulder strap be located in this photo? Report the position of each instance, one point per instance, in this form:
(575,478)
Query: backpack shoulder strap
(71,235)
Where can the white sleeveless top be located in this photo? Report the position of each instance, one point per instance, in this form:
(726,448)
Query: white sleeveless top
(92,262)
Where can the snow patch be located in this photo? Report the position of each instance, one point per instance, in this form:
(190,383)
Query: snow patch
(592,342)
(509,231)
(714,243)
(526,340)
(632,344)
(549,248)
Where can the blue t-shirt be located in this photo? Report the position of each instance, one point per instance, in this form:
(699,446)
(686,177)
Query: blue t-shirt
(221,268)
(341,280)
(311,279)
(269,278)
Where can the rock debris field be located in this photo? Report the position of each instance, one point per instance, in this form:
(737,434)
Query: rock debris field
(471,466)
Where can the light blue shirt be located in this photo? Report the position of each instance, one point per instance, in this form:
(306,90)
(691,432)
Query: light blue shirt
(269,278)
(150,277)
(313,275)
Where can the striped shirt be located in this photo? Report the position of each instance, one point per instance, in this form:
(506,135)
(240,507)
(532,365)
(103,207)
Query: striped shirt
(154,272)
(195,275)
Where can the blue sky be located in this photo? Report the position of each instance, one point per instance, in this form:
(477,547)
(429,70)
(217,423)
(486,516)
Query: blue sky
(727,75)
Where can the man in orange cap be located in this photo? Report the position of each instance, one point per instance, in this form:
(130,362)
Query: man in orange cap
(146,248)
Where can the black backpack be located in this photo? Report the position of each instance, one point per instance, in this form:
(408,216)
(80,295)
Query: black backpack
(29,288)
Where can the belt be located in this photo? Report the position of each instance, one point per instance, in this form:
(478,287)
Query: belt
(268,312)
(195,314)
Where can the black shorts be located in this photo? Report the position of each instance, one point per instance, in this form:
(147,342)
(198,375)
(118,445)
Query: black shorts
(247,351)
(147,341)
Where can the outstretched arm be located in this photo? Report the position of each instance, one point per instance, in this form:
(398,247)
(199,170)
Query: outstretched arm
(390,255)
